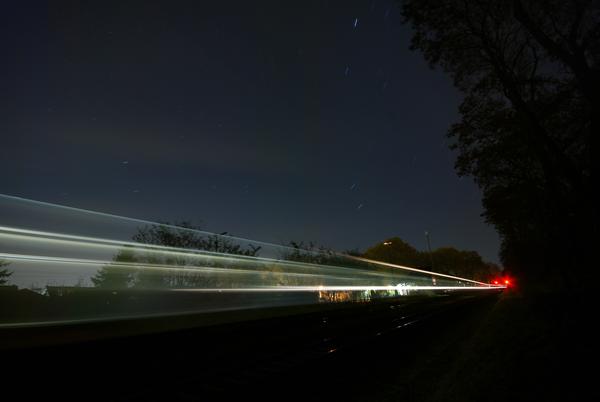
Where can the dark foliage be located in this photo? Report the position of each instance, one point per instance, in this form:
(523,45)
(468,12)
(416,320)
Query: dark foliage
(136,268)
(530,73)
(185,235)
(447,260)
(4,273)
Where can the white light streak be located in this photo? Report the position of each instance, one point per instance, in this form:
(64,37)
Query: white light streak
(156,267)
(95,241)
(99,242)
(387,264)
(335,288)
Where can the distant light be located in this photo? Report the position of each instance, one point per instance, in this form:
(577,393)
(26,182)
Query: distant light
(387,243)
(495,282)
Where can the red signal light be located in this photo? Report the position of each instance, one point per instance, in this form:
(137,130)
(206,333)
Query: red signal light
(495,282)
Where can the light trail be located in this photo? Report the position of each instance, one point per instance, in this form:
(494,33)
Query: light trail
(188,230)
(65,249)
(146,222)
(100,241)
(27,234)
(157,267)
(387,264)
(336,288)
(115,245)
(228,271)
(207,269)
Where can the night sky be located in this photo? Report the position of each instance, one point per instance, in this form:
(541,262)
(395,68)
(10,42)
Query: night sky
(272,120)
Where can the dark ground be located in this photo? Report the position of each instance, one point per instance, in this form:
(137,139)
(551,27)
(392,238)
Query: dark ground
(445,349)
(519,348)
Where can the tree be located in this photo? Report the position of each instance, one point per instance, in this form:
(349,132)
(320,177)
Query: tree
(530,73)
(396,251)
(466,264)
(308,252)
(4,273)
(448,260)
(122,274)
(117,275)
(312,253)
(186,235)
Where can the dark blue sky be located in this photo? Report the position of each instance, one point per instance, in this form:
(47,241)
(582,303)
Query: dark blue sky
(271,120)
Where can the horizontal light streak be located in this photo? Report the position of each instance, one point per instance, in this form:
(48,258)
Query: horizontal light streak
(50,256)
(387,264)
(98,242)
(336,288)
(157,267)
(142,221)
(116,245)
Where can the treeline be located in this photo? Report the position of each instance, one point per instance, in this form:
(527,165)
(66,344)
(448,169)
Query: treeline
(138,267)
(444,260)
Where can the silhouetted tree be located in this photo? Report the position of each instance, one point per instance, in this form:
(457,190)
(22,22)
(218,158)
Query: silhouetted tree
(355,252)
(117,275)
(4,273)
(312,253)
(448,260)
(186,235)
(396,251)
(466,264)
(530,119)
(307,252)
(150,270)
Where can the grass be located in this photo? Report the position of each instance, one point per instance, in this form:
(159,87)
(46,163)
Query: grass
(536,347)
(512,354)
